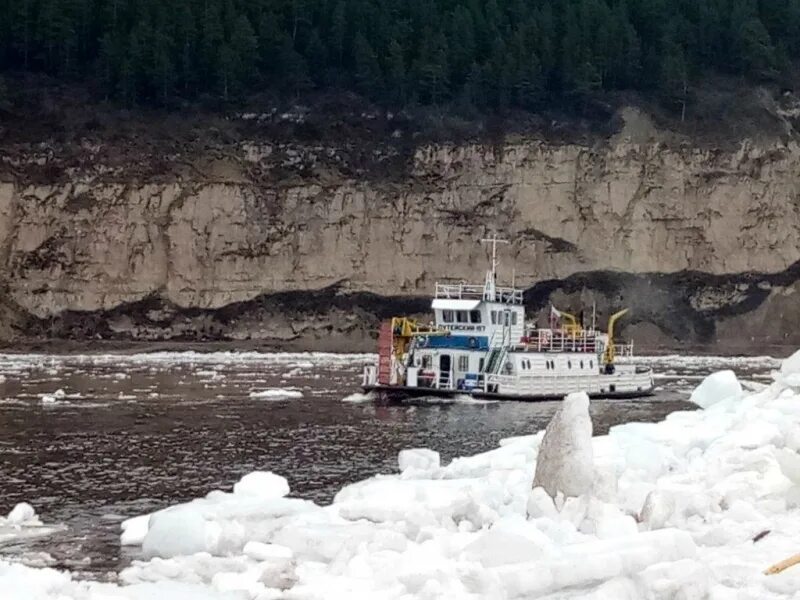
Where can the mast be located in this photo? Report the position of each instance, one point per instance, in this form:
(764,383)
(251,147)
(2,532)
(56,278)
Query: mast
(491,276)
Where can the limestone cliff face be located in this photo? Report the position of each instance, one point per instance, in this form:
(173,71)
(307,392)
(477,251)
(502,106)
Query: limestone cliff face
(239,242)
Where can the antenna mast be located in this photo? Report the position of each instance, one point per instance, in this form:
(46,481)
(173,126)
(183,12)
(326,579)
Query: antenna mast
(491,276)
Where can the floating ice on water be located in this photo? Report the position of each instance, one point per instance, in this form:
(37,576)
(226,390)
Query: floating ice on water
(277,394)
(22,523)
(358,397)
(56,396)
(717,387)
(21,514)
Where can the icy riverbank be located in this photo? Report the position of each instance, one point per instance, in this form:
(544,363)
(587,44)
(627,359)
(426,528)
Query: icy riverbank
(670,510)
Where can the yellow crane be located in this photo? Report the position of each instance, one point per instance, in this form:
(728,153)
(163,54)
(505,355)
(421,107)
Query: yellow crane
(609,354)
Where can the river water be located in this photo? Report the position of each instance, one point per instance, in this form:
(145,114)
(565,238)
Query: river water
(135,433)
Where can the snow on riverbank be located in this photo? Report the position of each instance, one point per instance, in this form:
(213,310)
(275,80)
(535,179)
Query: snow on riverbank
(697,506)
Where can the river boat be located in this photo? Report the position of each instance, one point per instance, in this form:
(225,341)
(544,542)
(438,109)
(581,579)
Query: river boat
(479,344)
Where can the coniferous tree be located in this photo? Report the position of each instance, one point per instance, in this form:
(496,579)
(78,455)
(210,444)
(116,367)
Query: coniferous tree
(396,73)
(368,74)
(484,54)
(294,70)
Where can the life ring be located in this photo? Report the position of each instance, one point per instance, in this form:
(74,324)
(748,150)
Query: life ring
(473,342)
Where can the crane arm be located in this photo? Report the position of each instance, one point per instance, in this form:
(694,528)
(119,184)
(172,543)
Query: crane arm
(609,354)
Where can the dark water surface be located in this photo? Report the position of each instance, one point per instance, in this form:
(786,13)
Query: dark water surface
(135,433)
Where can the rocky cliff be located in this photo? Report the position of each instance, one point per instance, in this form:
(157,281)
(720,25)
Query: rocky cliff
(307,243)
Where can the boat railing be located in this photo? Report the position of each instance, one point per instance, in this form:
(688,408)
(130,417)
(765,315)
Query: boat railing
(559,340)
(623,349)
(468,291)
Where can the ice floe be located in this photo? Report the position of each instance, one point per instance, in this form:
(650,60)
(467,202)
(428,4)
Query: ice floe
(22,523)
(358,397)
(277,394)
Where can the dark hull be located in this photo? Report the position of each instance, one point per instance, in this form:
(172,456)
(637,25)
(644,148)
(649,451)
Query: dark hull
(402,392)
(551,397)
(390,393)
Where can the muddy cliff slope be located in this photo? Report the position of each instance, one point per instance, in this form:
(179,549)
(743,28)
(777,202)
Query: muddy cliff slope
(228,231)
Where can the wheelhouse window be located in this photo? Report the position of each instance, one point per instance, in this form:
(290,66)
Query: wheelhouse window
(494,317)
(463,363)
(427,361)
(514,318)
(461,316)
(447,316)
(475,316)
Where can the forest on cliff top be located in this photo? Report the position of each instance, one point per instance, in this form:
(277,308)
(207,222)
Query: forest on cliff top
(479,55)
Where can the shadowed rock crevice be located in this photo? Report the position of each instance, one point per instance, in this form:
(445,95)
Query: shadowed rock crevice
(726,314)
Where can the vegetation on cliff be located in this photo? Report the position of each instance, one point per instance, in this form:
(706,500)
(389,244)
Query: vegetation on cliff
(477,54)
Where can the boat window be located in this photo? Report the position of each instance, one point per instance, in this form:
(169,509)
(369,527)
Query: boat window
(569,364)
(480,364)
(591,364)
(447,316)
(463,363)
(529,365)
(514,318)
(507,317)
(475,316)
(553,364)
(461,316)
(494,317)
(427,361)
(581,364)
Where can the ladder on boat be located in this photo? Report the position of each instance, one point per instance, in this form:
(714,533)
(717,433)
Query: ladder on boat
(445,382)
(498,351)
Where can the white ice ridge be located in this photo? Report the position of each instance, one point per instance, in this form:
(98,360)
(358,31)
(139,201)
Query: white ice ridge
(22,523)
(696,506)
